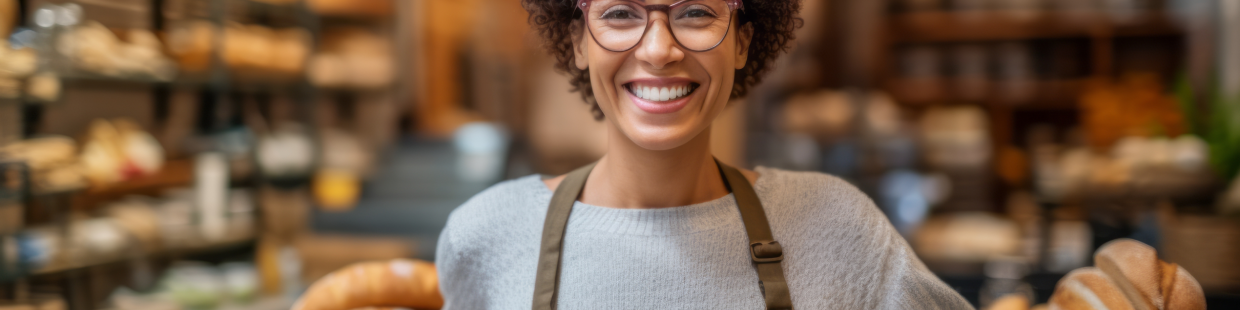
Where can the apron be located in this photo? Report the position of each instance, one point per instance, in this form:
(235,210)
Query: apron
(765,252)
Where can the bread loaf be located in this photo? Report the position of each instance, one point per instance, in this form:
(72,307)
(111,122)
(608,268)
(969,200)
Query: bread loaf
(1129,276)
(396,283)
(1135,269)
(1088,288)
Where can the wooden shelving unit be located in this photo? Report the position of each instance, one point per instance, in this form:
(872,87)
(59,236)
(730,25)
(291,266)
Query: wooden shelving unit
(1028,94)
(1099,28)
(1096,33)
(963,26)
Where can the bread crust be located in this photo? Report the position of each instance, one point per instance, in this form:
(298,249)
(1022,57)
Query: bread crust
(1135,269)
(1184,293)
(1087,289)
(396,283)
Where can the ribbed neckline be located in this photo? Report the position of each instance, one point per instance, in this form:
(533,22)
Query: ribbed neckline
(681,220)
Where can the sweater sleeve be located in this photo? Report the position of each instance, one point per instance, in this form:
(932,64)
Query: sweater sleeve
(455,278)
(910,285)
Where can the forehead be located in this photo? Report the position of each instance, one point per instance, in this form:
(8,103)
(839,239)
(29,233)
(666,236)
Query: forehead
(666,2)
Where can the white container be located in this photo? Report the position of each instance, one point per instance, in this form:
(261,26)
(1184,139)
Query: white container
(211,194)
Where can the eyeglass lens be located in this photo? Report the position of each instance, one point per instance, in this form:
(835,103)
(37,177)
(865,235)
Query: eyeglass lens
(698,25)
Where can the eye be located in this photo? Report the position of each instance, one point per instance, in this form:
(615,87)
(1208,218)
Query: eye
(697,11)
(620,12)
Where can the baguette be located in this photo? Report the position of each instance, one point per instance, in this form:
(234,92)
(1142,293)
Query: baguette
(396,283)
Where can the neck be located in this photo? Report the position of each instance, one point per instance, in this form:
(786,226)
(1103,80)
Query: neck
(632,177)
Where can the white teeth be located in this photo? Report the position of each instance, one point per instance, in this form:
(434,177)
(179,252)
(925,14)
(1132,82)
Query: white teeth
(660,93)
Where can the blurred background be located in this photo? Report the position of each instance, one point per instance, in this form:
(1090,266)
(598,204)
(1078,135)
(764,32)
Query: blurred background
(223,154)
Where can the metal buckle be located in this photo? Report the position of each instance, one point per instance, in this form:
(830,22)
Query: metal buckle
(766,251)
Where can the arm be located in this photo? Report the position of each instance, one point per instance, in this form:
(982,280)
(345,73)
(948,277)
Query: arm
(457,284)
(909,285)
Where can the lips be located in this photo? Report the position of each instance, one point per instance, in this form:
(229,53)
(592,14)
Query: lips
(661,96)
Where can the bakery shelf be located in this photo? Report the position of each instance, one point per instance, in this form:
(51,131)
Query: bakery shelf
(956,26)
(192,247)
(174,174)
(1060,93)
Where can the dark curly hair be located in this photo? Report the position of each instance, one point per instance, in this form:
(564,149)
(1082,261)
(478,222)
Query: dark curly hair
(774,25)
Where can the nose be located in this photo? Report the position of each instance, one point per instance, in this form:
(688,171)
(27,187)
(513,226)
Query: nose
(659,48)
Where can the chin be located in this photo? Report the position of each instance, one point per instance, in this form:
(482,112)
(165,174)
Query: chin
(661,137)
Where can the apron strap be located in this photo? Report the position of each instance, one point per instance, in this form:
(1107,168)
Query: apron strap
(548,276)
(765,252)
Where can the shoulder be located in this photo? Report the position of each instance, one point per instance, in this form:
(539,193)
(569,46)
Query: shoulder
(808,186)
(817,200)
(502,206)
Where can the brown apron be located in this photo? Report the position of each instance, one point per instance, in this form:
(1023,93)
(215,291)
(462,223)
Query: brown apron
(763,249)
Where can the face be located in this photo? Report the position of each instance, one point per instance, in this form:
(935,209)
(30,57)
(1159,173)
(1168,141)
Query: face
(661,94)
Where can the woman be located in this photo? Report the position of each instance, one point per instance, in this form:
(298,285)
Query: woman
(653,224)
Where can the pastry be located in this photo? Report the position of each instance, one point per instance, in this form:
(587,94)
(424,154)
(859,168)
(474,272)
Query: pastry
(1129,276)
(396,283)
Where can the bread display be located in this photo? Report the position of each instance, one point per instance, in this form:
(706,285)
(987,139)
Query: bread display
(1148,111)
(119,150)
(96,49)
(353,58)
(15,65)
(53,162)
(43,87)
(1129,275)
(253,49)
(190,43)
(396,283)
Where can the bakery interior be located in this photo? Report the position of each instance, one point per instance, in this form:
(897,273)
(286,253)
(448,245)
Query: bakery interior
(226,154)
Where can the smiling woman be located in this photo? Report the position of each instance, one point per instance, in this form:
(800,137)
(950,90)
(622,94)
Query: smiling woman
(658,222)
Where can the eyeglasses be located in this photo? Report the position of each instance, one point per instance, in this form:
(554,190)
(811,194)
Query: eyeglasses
(698,25)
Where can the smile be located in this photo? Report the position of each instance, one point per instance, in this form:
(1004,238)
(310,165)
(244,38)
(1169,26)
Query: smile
(661,93)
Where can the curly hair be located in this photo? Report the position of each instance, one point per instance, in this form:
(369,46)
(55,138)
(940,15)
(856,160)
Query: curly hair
(774,25)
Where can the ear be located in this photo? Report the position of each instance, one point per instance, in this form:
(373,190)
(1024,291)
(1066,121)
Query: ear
(743,37)
(581,57)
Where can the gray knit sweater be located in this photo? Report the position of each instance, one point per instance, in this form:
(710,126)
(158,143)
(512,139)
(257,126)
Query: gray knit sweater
(840,252)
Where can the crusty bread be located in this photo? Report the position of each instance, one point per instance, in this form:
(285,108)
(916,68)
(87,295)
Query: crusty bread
(1129,275)
(1086,289)
(1135,269)
(1010,302)
(1183,293)
(396,283)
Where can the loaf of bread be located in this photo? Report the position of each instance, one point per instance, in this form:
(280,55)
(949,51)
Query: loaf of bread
(397,283)
(1088,288)
(1129,275)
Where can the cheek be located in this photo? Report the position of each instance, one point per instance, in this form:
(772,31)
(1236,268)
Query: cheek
(604,66)
(722,75)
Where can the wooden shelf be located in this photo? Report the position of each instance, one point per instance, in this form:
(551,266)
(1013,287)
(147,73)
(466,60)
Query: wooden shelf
(1019,94)
(174,174)
(957,26)
(196,246)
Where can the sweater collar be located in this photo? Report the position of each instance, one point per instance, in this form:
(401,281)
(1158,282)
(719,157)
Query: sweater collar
(681,220)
